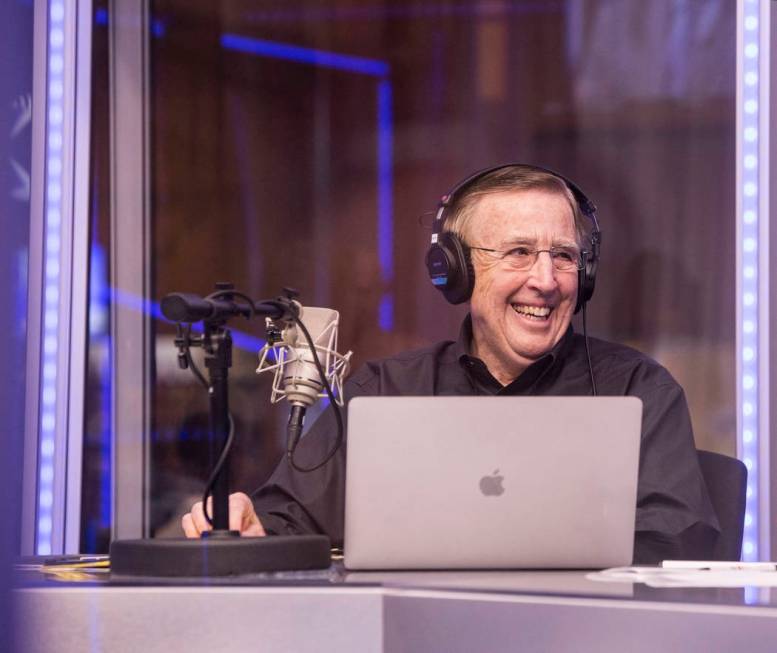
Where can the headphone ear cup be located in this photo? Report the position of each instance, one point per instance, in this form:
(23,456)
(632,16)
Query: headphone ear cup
(450,268)
(586,282)
(464,254)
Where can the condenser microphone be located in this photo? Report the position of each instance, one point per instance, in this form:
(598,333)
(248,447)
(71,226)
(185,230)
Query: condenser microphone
(302,371)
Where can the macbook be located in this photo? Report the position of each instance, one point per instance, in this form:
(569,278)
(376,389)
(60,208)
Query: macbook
(491,482)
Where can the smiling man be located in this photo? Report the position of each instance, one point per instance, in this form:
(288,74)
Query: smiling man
(520,243)
(524,251)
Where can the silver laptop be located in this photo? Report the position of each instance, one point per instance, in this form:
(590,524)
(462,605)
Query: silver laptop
(491,482)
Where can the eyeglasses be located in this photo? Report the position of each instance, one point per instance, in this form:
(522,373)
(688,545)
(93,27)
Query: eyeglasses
(565,259)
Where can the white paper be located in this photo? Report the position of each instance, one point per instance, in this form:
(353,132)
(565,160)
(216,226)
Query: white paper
(705,577)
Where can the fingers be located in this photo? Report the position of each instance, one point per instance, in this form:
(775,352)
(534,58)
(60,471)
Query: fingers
(242,517)
(240,507)
(187,523)
(194,522)
(198,515)
(188,526)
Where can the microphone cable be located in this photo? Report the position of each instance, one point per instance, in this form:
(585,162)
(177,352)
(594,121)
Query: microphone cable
(223,456)
(295,431)
(230,437)
(217,469)
(186,330)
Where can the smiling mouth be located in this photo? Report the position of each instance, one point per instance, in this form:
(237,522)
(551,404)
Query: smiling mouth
(540,313)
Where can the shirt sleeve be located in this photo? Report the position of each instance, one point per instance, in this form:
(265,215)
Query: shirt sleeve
(675,518)
(294,502)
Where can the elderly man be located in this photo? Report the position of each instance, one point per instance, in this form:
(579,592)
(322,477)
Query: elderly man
(516,242)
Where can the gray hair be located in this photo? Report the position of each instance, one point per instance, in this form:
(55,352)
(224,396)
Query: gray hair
(511,178)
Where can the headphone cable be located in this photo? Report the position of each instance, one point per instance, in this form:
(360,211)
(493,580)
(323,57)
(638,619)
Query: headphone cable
(588,353)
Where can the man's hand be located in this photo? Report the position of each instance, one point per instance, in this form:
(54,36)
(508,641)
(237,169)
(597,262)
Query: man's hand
(242,517)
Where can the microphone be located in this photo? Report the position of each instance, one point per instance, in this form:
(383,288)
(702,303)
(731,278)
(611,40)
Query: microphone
(289,356)
(188,307)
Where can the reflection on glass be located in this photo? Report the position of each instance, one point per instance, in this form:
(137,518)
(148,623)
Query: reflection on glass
(305,145)
(97,456)
(16,54)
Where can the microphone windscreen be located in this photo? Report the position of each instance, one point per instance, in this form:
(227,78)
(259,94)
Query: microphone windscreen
(318,322)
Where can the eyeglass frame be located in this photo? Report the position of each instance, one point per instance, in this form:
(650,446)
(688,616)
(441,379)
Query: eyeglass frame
(582,256)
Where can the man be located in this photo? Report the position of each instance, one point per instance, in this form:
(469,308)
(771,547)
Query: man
(518,247)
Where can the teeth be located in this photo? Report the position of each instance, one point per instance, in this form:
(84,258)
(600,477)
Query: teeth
(535,311)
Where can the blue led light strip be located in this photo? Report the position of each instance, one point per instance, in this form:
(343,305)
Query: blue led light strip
(53,209)
(362,66)
(752,282)
(385,204)
(320,58)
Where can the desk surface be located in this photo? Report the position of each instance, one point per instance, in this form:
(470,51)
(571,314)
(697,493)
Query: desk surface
(539,583)
(339,610)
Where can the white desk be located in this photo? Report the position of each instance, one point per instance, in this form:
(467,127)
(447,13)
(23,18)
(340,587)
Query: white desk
(393,612)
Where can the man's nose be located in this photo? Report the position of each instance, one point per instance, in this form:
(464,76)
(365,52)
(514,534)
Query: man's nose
(542,275)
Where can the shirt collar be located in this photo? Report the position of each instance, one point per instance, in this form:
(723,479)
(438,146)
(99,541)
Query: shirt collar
(485,381)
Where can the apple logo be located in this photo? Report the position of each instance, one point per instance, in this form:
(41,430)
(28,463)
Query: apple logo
(491,486)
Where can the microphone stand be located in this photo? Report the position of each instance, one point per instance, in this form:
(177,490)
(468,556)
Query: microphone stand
(217,343)
(220,551)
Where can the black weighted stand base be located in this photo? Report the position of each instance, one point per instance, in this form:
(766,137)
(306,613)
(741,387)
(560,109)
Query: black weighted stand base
(219,556)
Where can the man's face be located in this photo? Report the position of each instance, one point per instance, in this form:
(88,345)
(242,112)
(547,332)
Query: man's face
(506,336)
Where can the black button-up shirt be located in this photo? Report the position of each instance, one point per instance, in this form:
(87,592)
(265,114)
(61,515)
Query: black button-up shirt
(675,518)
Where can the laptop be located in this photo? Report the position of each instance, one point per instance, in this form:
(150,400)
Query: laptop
(491,482)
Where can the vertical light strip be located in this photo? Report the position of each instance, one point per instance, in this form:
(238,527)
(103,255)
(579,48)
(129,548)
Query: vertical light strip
(60,227)
(385,203)
(764,309)
(53,209)
(752,267)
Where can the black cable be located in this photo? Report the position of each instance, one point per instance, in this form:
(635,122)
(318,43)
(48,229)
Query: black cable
(295,409)
(332,401)
(231,436)
(217,469)
(588,353)
(294,427)
(196,371)
(190,361)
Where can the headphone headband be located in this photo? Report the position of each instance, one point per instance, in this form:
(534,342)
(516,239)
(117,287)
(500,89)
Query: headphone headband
(448,258)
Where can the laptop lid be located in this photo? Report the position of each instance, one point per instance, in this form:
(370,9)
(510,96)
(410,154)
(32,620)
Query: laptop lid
(491,482)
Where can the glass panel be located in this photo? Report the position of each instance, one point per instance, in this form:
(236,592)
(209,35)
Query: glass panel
(96,471)
(306,144)
(16,48)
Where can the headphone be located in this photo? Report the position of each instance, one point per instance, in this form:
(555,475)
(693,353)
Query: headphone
(449,260)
